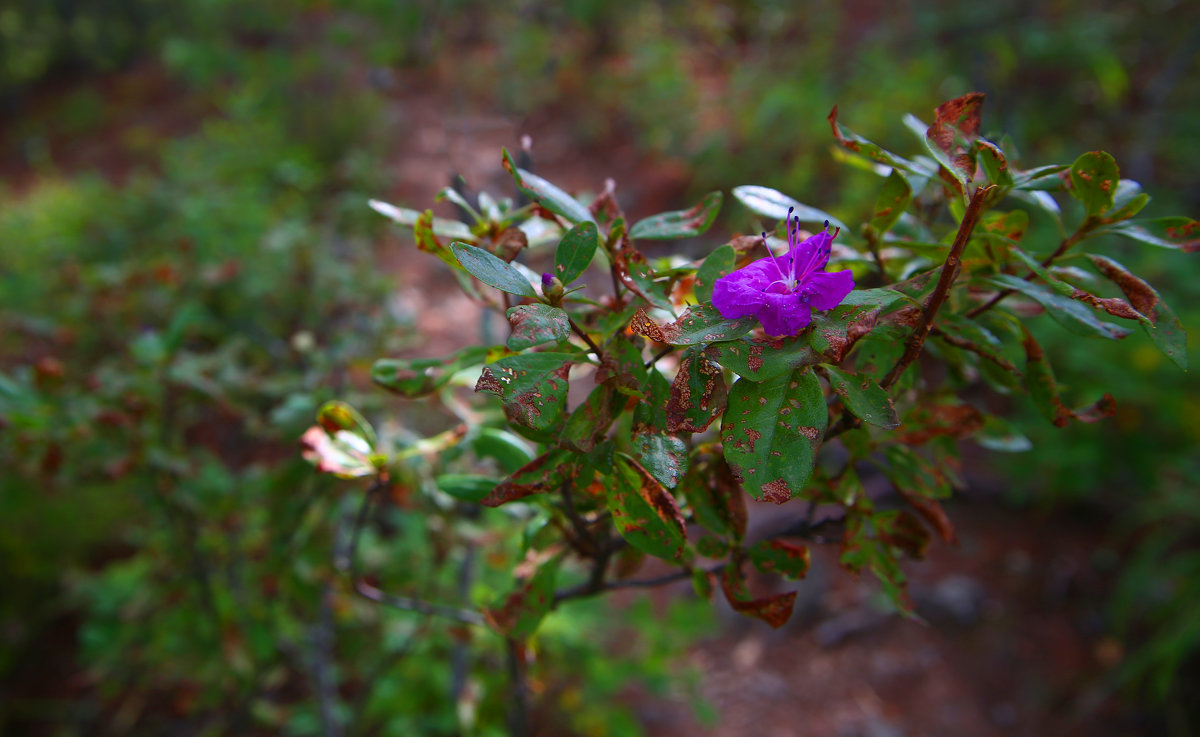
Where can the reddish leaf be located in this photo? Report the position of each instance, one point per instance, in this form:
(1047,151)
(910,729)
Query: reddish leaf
(545,473)
(777,556)
(775,610)
(698,393)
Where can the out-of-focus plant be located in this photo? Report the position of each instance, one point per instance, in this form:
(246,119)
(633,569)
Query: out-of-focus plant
(637,403)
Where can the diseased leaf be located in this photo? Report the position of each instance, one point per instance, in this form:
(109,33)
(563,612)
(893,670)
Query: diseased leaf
(644,512)
(863,547)
(664,456)
(713,494)
(342,443)
(1161,323)
(771,431)
(518,615)
(546,194)
(533,387)
(697,394)
(762,359)
(1043,389)
(591,419)
(535,324)
(774,204)
(863,397)
(994,163)
(952,136)
(575,251)
(703,323)
(778,556)
(490,270)
(679,223)
(775,610)
(1066,311)
(1180,233)
(719,263)
(1094,179)
(427,240)
(545,473)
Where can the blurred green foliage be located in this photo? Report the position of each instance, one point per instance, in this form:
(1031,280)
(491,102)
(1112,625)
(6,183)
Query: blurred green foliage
(164,341)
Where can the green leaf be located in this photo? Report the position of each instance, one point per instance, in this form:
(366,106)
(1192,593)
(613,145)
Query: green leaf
(518,615)
(1181,233)
(509,451)
(703,323)
(679,223)
(1041,178)
(1067,312)
(1161,324)
(774,204)
(468,487)
(1094,180)
(771,431)
(545,473)
(1128,200)
(719,263)
(664,456)
(859,145)
(892,202)
(697,393)
(490,270)
(546,194)
(865,548)
(644,512)
(452,195)
(533,387)
(763,359)
(575,251)
(1001,436)
(451,229)
(777,556)
(419,377)
(535,324)
(863,397)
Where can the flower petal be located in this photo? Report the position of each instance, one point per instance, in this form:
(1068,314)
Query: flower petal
(736,297)
(783,314)
(824,290)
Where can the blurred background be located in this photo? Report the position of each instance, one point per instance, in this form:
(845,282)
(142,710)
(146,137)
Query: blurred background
(188,269)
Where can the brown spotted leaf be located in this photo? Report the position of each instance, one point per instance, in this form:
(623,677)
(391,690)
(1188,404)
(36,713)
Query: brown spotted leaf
(775,610)
(545,473)
(703,324)
(519,614)
(770,433)
(644,512)
(779,556)
(952,136)
(534,388)
(716,500)
(642,325)
(1161,323)
(1043,389)
(697,394)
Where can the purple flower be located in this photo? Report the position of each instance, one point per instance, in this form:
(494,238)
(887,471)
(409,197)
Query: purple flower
(782,292)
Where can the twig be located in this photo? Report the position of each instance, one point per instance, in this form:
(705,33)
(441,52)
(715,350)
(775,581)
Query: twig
(659,355)
(323,678)
(586,338)
(967,345)
(1063,246)
(347,562)
(916,341)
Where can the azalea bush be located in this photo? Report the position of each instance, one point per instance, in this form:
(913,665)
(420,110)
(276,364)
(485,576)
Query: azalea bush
(638,405)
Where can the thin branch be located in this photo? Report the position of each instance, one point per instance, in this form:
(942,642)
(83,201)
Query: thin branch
(518,716)
(346,561)
(659,355)
(586,338)
(949,272)
(1063,247)
(977,349)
